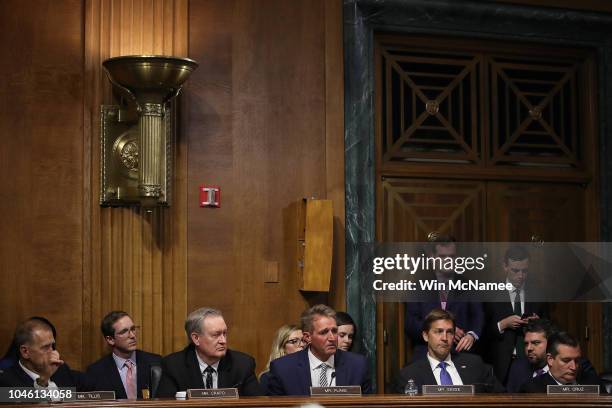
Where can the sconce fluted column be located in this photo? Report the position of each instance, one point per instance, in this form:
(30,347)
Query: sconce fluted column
(152,146)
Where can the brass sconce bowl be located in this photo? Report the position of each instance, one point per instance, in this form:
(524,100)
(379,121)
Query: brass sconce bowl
(149,77)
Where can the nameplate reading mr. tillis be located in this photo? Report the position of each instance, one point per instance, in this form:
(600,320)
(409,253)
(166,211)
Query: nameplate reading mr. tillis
(207,393)
(572,389)
(95,396)
(341,390)
(448,389)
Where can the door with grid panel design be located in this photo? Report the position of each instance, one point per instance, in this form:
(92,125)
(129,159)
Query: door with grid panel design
(485,141)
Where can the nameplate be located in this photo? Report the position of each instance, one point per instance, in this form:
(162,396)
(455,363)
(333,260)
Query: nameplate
(340,390)
(572,389)
(205,393)
(95,396)
(448,389)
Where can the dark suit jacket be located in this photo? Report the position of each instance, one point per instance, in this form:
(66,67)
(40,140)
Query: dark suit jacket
(499,346)
(64,377)
(104,375)
(471,368)
(290,374)
(521,372)
(181,371)
(539,384)
(469,316)
(264,379)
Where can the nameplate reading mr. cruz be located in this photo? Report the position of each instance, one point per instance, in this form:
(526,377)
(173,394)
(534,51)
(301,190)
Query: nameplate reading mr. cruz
(572,389)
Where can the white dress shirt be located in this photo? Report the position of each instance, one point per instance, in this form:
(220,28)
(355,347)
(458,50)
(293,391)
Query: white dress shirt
(215,374)
(315,369)
(512,295)
(450,367)
(34,376)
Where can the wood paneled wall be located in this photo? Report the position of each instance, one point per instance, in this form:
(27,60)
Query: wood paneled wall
(262,117)
(41,167)
(134,260)
(266,125)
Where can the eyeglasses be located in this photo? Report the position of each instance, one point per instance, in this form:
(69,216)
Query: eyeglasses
(295,341)
(124,332)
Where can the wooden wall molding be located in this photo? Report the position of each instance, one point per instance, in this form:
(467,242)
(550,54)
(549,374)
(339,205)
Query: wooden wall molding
(133,260)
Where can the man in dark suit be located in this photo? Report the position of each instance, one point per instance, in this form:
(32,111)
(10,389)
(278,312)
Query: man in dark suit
(469,316)
(39,364)
(563,359)
(537,333)
(440,367)
(207,362)
(505,320)
(126,370)
(321,364)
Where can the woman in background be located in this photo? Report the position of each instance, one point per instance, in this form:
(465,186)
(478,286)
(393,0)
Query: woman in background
(288,340)
(346,331)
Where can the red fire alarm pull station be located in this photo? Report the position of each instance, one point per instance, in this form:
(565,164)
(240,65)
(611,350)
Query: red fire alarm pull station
(210,196)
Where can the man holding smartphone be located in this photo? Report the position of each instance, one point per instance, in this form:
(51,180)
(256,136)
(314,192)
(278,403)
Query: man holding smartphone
(505,320)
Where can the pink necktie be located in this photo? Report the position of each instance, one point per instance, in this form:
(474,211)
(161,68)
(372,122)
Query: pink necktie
(129,380)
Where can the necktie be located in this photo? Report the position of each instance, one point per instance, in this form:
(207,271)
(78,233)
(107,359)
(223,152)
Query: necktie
(443,299)
(539,372)
(130,382)
(209,377)
(445,378)
(517,302)
(520,341)
(323,375)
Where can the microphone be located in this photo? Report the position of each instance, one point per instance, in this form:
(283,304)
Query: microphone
(333,379)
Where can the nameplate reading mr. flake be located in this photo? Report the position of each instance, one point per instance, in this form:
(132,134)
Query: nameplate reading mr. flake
(95,396)
(341,390)
(448,389)
(572,389)
(204,393)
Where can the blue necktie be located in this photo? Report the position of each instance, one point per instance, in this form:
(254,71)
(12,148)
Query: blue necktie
(445,378)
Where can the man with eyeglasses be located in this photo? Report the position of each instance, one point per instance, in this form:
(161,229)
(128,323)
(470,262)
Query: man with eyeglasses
(207,362)
(126,370)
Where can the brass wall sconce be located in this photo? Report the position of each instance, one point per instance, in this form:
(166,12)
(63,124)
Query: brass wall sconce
(137,146)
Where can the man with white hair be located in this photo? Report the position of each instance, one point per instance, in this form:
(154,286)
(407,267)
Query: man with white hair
(207,362)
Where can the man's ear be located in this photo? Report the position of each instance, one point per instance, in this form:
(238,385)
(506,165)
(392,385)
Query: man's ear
(195,338)
(549,359)
(24,351)
(306,337)
(425,336)
(110,340)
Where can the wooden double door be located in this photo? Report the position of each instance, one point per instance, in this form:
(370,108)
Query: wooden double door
(485,211)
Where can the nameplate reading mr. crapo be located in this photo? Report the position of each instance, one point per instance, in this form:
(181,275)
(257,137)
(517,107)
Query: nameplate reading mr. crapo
(205,393)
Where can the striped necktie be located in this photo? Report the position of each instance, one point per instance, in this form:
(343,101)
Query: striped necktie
(323,375)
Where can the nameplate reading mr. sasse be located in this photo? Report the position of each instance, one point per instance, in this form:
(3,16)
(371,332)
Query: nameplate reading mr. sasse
(448,389)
